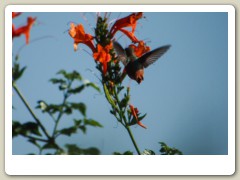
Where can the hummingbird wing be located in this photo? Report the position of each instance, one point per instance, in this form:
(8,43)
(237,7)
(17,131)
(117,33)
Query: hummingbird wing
(152,56)
(120,53)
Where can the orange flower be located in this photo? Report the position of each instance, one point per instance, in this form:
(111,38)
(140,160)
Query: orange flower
(130,35)
(23,29)
(102,55)
(129,21)
(140,49)
(134,112)
(79,36)
(15,14)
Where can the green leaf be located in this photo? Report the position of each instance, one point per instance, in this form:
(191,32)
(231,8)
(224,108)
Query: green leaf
(73,149)
(70,76)
(124,102)
(148,152)
(32,128)
(92,122)
(142,117)
(16,128)
(120,88)
(21,71)
(24,129)
(76,90)
(77,122)
(17,72)
(53,108)
(166,150)
(67,110)
(68,131)
(81,107)
(125,153)
(94,86)
(83,128)
(57,81)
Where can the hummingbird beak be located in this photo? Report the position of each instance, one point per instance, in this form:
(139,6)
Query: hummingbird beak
(139,80)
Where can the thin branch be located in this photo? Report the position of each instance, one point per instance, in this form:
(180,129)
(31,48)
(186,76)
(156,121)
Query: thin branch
(30,110)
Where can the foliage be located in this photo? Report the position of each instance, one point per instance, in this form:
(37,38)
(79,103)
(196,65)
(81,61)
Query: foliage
(166,150)
(56,111)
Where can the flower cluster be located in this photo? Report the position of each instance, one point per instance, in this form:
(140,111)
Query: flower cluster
(102,50)
(101,45)
(16,32)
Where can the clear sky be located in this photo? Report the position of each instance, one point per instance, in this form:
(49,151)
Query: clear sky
(184,93)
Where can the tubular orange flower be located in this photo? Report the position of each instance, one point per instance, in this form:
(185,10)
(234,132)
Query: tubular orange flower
(79,36)
(129,21)
(23,29)
(102,55)
(15,14)
(140,49)
(134,112)
(130,35)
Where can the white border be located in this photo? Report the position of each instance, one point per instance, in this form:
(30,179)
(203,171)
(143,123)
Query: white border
(120,165)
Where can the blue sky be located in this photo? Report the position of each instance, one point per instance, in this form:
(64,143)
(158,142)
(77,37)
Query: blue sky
(184,93)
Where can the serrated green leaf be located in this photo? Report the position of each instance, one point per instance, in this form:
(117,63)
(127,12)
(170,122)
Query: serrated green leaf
(92,122)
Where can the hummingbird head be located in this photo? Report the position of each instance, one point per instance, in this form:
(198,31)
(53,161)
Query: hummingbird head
(129,51)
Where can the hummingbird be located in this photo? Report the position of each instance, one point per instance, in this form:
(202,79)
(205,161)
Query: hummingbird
(134,66)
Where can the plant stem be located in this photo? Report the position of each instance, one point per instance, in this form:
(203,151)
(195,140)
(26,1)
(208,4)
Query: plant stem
(30,110)
(35,138)
(54,135)
(122,116)
(132,138)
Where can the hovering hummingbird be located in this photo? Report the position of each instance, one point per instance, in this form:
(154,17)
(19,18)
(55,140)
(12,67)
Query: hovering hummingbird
(134,66)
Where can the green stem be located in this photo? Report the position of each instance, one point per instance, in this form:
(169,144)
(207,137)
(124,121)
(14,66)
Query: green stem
(35,138)
(66,95)
(54,135)
(125,122)
(30,110)
(132,138)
